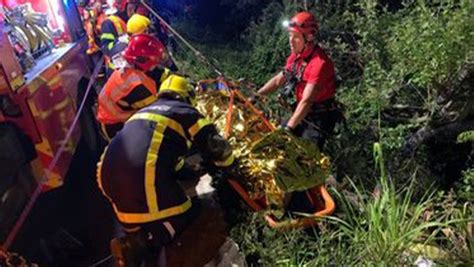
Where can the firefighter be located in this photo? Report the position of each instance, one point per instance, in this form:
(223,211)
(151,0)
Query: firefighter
(138,170)
(138,24)
(135,7)
(92,16)
(134,86)
(308,78)
(113,38)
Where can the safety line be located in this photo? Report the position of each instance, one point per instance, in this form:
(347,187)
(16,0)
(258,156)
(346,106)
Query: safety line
(200,56)
(106,259)
(197,53)
(26,211)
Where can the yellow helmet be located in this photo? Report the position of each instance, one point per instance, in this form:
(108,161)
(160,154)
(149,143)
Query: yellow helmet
(181,86)
(137,24)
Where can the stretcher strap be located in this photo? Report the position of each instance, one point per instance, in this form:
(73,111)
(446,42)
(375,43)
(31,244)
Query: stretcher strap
(228,125)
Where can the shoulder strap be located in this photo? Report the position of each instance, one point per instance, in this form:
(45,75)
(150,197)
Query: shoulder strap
(294,67)
(306,60)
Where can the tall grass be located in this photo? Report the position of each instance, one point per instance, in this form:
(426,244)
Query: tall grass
(384,227)
(386,223)
(390,225)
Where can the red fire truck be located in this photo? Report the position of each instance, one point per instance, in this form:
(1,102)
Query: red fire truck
(44,73)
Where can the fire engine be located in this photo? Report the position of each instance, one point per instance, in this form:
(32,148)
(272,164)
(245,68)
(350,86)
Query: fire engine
(44,73)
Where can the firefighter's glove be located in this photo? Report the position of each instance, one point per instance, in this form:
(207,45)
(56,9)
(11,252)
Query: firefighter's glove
(285,128)
(234,172)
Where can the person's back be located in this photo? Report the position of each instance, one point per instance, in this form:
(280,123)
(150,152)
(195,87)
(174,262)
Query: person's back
(133,86)
(160,131)
(113,38)
(138,171)
(111,29)
(125,92)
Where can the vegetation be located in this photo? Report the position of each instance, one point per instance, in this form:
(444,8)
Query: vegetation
(407,77)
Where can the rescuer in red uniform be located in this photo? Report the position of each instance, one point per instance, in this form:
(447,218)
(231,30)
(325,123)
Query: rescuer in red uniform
(309,82)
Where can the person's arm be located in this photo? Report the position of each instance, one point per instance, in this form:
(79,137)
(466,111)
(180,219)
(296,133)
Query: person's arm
(138,98)
(159,75)
(304,106)
(212,145)
(273,84)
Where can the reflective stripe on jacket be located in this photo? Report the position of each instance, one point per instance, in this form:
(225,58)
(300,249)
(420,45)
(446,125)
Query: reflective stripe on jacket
(137,171)
(111,28)
(120,28)
(120,84)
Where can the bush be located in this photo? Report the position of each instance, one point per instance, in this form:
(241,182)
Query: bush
(396,66)
(385,227)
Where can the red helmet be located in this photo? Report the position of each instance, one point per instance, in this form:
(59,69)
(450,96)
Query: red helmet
(303,22)
(145,51)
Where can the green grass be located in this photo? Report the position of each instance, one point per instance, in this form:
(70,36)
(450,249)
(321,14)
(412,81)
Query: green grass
(396,225)
(385,227)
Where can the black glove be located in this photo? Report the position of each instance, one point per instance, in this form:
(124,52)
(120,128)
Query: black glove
(234,172)
(284,127)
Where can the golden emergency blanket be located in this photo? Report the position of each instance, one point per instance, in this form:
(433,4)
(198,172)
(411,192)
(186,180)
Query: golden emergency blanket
(274,163)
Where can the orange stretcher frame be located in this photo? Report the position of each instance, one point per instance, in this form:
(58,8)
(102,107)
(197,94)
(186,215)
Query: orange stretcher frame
(318,195)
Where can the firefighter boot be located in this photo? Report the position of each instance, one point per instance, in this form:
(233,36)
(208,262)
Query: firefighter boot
(130,250)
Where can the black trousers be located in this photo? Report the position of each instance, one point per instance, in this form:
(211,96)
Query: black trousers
(318,126)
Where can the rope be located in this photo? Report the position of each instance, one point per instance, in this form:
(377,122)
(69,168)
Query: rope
(26,211)
(106,259)
(201,57)
(196,52)
(285,108)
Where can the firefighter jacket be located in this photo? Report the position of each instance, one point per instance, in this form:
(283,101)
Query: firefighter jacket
(137,171)
(92,20)
(112,29)
(126,91)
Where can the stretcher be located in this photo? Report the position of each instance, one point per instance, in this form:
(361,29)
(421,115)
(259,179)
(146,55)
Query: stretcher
(318,196)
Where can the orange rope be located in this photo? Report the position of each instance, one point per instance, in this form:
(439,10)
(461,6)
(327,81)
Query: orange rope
(228,125)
